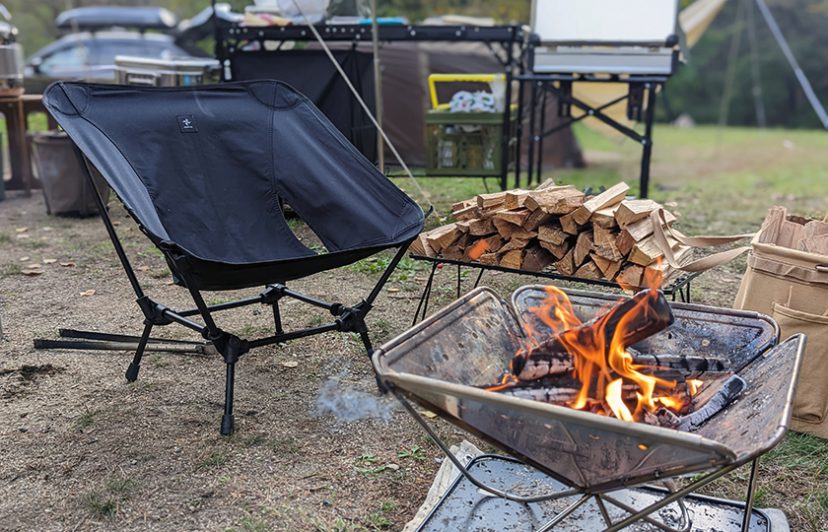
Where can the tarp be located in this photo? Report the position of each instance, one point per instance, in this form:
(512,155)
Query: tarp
(203,170)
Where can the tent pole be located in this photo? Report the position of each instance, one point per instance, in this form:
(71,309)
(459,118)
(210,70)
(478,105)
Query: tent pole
(377,84)
(788,53)
(758,101)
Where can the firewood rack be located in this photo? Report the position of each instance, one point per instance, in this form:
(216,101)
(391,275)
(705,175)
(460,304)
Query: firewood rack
(678,289)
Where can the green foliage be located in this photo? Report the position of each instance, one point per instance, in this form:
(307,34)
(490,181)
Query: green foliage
(698,88)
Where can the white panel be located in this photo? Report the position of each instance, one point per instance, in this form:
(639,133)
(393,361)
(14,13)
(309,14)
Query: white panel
(611,21)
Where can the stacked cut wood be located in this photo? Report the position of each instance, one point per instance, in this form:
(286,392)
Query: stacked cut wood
(556,227)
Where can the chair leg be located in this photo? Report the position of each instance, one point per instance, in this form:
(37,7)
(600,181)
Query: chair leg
(369,349)
(227,420)
(135,365)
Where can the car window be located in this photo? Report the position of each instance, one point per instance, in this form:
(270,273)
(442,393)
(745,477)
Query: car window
(104,52)
(66,60)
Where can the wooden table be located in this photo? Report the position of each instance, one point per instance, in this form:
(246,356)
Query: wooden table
(16,110)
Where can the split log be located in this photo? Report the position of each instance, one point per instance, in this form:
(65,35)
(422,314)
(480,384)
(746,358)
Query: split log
(548,182)
(608,268)
(555,199)
(513,216)
(557,250)
(566,266)
(465,213)
(489,244)
(483,227)
(608,250)
(644,228)
(512,259)
(624,242)
(631,211)
(569,225)
(552,234)
(420,246)
(605,217)
(536,259)
(515,199)
(605,199)
(602,235)
(487,201)
(488,258)
(443,237)
(512,244)
(583,246)
(589,270)
(630,276)
(648,251)
(536,219)
(511,231)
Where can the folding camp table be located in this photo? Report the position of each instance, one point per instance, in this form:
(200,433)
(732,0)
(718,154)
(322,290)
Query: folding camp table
(204,171)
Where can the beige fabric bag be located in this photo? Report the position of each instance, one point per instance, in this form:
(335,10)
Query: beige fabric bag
(792,287)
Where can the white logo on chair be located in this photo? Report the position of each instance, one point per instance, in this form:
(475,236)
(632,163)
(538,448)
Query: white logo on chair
(186,124)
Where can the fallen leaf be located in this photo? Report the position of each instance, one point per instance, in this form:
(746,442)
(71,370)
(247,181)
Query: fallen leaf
(90,292)
(24,259)
(290,363)
(428,413)
(68,264)
(31,272)
(20,229)
(49,261)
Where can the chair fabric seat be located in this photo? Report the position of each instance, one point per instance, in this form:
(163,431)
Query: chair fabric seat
(204,170)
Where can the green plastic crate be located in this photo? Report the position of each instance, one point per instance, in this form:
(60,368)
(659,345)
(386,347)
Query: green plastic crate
(466,144)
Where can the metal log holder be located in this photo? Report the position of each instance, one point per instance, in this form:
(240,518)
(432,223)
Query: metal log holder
(677,289)
(443,363)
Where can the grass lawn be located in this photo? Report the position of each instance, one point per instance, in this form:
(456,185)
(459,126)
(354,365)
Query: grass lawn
(723,181)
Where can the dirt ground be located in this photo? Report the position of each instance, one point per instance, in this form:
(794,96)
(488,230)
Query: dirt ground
(81,449)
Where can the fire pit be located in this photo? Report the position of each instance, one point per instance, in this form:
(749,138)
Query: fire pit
(449,363)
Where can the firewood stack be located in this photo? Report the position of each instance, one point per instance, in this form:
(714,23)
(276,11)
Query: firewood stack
(558,227)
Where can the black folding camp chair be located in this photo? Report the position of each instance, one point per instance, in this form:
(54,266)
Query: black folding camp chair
(204,172)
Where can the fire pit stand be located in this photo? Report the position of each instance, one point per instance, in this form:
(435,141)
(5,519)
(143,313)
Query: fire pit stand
(677,289)
(444,363)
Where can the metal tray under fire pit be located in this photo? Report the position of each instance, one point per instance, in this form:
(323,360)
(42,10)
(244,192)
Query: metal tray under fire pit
(443,362)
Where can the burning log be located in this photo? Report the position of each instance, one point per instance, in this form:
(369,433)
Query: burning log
(728,392)
(673,367)
(644,314)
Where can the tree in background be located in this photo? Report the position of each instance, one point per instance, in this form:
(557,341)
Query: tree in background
(698,88)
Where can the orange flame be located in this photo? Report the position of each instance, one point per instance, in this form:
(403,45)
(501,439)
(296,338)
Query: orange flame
(602,365)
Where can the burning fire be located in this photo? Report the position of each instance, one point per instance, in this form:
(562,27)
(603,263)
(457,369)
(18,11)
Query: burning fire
(611,383)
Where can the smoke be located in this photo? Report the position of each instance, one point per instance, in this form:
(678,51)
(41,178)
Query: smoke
(347,404)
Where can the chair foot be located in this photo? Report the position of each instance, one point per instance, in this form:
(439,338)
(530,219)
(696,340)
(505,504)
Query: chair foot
(132,372)
(227,425)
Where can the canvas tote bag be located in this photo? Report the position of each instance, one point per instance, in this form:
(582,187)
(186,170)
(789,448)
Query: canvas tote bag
(792,287)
